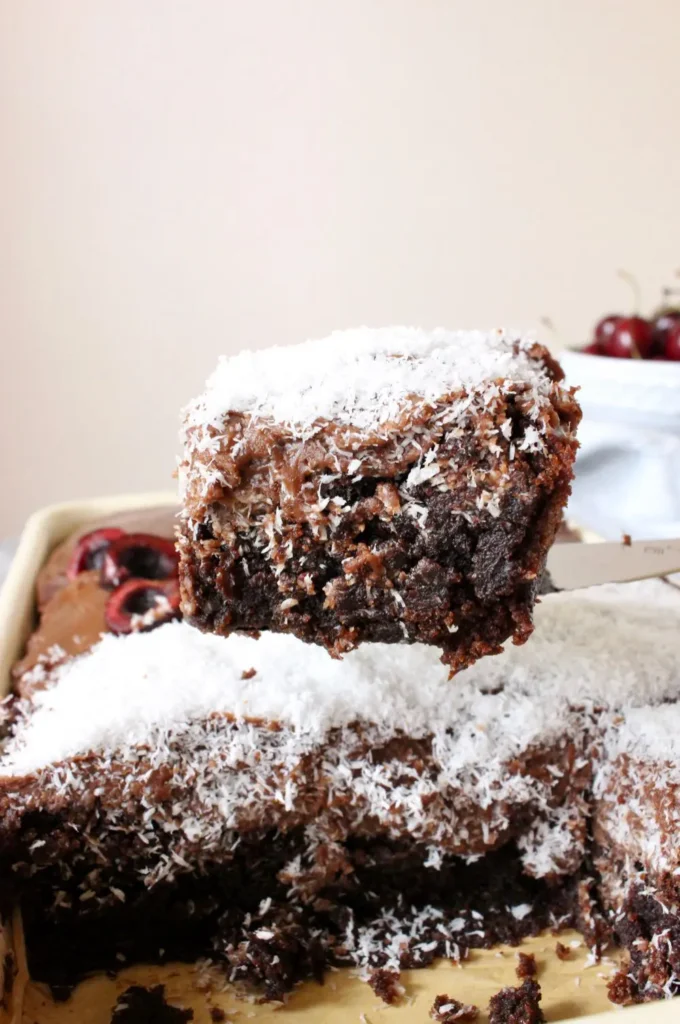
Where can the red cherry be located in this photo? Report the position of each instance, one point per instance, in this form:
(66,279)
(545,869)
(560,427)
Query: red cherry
(139,555)
(662,325)
(594,348)
(90,549)
(672,347)
(633,336)
(137,606)
(604,328)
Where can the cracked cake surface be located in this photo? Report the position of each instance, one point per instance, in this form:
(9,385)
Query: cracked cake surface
(386,485)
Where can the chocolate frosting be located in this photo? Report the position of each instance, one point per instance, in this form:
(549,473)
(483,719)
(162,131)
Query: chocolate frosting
(71,612)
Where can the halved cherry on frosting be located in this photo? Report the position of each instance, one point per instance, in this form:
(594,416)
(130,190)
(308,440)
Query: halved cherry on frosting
(140,605)
(138,555)
(90,549)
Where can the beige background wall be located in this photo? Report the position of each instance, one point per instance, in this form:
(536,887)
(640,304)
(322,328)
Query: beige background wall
(185,177)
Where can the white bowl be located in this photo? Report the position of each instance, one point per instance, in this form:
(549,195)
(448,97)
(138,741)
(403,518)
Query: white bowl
(628,466)
(645,391)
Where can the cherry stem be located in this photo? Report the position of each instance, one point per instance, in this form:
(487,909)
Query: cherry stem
(546,322)
(633,282)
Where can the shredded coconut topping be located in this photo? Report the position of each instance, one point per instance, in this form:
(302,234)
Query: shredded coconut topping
(245,728)
(615,646)
(364,376)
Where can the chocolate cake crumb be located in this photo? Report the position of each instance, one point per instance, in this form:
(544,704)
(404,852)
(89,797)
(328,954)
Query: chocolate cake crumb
(526,966)
(217,1015)
(563,952)
(386,985)
(61,993)
(517,1005)
(139,1005)
(248,673)
(621,989)
(446,1010)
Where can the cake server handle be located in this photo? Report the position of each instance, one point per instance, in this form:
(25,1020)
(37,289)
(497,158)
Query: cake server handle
(572,566)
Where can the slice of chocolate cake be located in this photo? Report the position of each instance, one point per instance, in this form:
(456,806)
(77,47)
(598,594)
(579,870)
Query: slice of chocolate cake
(387,485)
(636,832)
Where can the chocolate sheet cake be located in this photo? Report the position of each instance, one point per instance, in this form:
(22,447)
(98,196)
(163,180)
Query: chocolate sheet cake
(388,485)
(179,794)
(73,597)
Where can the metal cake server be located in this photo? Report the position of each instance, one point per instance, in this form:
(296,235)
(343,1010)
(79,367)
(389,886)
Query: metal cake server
(571,566)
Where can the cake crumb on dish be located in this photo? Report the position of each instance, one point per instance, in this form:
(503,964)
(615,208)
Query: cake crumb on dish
(517,1005)
(446,1010)
(526,966)
(139,1005)
(386,985)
